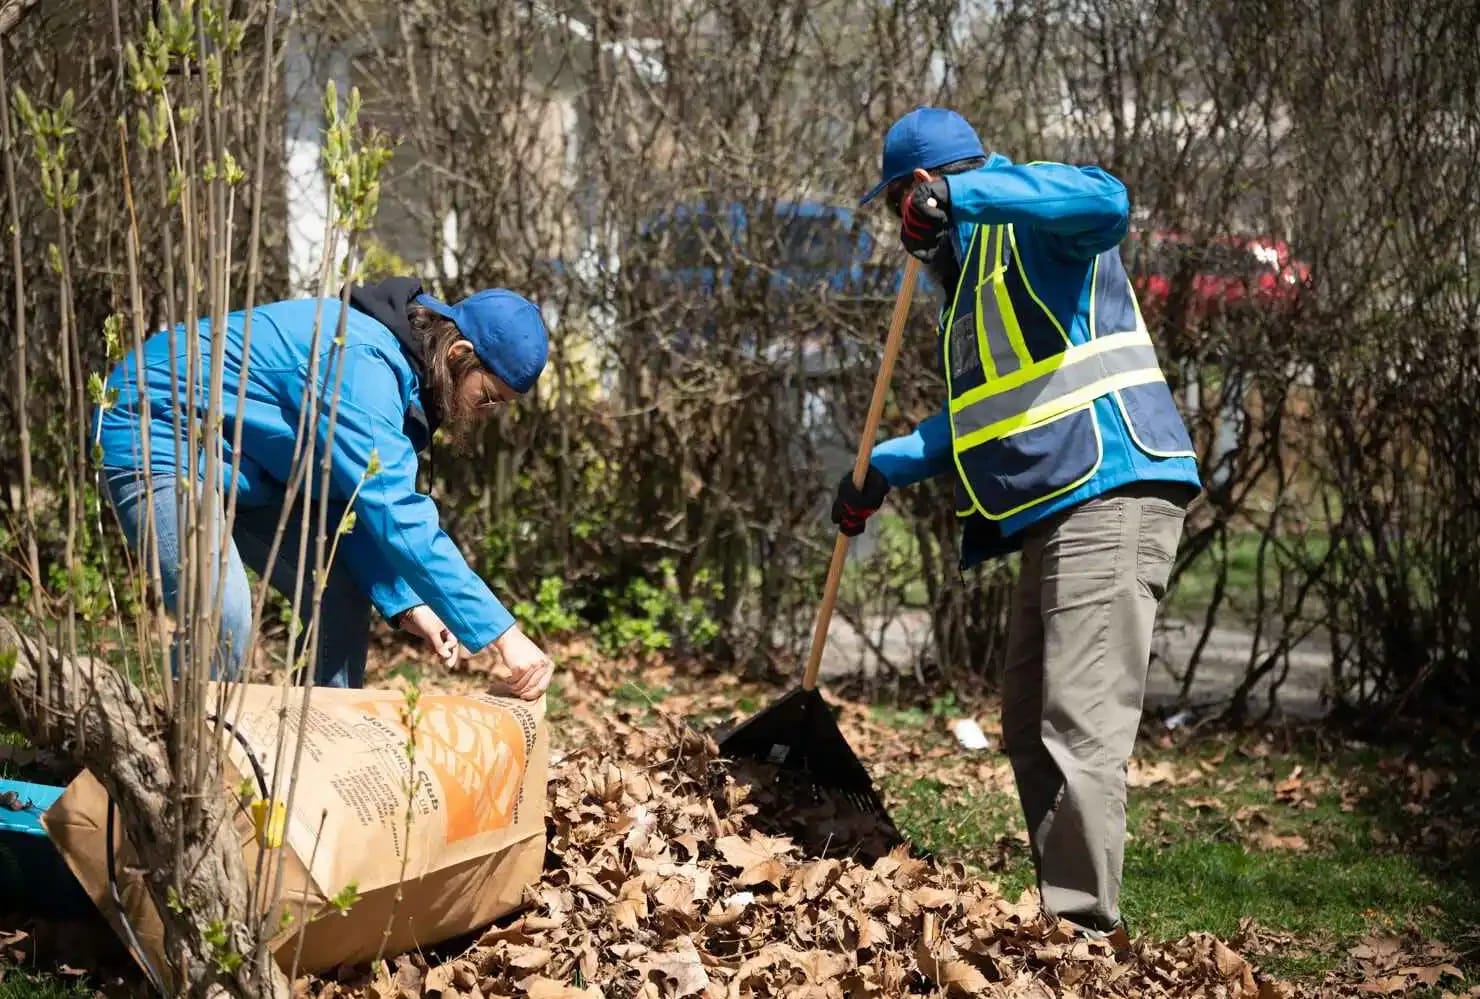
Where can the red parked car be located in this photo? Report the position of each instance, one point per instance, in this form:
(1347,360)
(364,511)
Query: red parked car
(1221,276)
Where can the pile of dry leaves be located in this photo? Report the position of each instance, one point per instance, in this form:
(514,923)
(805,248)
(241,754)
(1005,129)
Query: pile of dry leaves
(669,876)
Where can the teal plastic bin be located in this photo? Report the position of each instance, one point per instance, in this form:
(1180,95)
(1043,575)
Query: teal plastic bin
(34,880)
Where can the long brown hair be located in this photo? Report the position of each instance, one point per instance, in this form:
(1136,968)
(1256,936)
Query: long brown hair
(444,371)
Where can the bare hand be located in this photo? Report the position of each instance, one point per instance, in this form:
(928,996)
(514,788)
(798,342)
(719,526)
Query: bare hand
(530,670)
(424,623)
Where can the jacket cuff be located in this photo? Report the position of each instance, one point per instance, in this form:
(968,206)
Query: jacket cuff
(392,598)
(477,636)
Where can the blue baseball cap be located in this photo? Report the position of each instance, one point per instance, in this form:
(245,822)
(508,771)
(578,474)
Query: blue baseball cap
(506,331)
(924,139)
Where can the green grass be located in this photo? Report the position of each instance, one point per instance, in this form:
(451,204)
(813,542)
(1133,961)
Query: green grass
(20,984)
(978,828)
(1195,587)
(9,770)
(915,717)
(639,694)
(641,697)
(1194,861)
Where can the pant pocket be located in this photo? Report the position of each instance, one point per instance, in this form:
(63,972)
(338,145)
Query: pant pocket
(1160,535)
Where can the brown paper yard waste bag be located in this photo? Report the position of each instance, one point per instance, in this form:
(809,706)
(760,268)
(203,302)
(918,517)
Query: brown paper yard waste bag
(477,822)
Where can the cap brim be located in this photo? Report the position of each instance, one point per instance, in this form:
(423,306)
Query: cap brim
(870,196)
(440,308)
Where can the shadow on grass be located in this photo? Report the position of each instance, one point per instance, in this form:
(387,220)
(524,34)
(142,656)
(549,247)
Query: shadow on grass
(61,959)
(1424,801)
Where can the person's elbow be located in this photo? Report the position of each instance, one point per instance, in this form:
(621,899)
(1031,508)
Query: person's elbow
(1101,222)
(1109,218)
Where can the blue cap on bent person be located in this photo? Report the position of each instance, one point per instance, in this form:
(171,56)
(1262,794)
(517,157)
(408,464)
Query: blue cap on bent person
(924,139)
(506,331)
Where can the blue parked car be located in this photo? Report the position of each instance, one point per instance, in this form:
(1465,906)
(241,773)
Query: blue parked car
(801,250)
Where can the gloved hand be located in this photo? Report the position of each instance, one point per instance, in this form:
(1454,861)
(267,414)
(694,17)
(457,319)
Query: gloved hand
(852,507)
(925,218)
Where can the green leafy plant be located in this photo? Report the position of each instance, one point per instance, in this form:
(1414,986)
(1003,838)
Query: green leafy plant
(553,611)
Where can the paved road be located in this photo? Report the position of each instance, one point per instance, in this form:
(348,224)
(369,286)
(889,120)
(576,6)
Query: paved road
(904,636)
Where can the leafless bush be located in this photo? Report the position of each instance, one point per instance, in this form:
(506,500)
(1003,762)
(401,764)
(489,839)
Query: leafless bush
(707,380)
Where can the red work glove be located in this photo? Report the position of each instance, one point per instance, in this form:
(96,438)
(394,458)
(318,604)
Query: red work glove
(925,218)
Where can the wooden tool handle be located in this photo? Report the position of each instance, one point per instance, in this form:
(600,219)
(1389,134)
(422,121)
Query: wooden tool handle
(860,466)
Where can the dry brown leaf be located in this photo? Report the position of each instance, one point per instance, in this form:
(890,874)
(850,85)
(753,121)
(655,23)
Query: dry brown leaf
(545,988)
(609,784)
(407,980)
(957,977)
(722,918)
(628,883)
(675,893)
(1431,974)
(1382,949)
(527,958)
(681,968)
(935,898)
(1270,841)
(820,966)
(1226,961)
(439,980)
(584,881)
(1250,814)
(465,976)
(1139,774)
(758,858)
(631,905)
(816,877)
(877,895)
(769,956)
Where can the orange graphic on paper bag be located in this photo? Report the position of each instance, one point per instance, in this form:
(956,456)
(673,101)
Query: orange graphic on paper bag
(476,752)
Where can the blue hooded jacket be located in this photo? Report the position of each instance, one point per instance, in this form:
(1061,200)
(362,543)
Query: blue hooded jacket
(397,551)
(1061,213)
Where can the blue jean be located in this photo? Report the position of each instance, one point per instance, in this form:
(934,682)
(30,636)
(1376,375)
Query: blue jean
(343,613)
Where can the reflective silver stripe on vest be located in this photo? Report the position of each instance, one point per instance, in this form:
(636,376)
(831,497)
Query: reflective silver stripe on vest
(1071,376)
(1004,358)
(966,360)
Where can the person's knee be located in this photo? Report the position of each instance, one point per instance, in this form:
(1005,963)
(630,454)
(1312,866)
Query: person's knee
(236,622)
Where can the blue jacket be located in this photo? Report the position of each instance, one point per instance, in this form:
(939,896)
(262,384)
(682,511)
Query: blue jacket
(397,551)
(1060,214)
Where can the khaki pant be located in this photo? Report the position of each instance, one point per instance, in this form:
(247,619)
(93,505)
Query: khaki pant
(1079,647)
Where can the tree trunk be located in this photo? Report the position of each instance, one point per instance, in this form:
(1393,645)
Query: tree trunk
(112,728)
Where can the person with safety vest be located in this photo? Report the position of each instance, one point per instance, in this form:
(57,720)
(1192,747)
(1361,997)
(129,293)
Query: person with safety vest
(1066,446)
(407,364)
